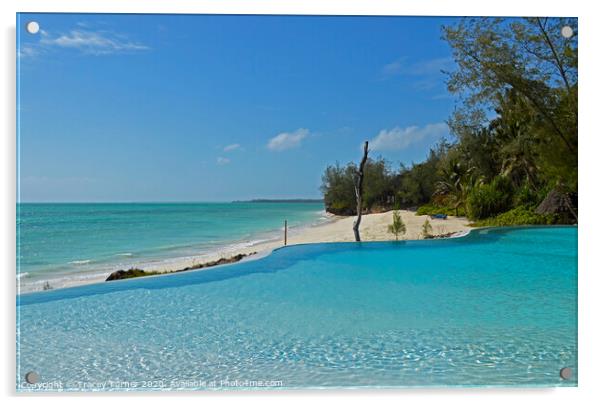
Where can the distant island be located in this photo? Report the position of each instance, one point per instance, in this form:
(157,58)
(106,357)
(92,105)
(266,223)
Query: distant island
(284,200)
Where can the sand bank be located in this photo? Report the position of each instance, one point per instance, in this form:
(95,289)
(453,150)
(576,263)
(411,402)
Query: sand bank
(374,227)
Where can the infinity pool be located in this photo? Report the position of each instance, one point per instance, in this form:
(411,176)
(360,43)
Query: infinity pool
(497,307)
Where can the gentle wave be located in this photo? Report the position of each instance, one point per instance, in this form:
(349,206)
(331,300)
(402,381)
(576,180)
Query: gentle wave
(460,234)
(80,262)
(173,252)
(63,280)
(93,274)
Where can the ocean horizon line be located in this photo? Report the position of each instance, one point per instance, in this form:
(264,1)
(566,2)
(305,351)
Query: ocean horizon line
(254,200)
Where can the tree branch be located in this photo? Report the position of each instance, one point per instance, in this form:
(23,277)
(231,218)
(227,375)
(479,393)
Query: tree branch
(359,188)
(500,76)
(559,64)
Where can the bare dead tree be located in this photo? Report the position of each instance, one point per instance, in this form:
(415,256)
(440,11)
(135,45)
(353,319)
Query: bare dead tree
(359,188)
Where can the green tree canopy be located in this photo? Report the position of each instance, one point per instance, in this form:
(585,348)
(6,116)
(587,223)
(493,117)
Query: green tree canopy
(515,129)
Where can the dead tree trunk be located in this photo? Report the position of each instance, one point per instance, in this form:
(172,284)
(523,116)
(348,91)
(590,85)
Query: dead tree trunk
(359,188)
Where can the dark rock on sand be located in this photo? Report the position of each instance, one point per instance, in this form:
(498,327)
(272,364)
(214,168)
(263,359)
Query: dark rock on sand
(223,260)
(131,273)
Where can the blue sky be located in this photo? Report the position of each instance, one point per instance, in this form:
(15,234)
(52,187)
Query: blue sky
(218,108)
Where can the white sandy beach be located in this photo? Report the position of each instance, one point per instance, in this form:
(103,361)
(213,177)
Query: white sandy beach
(374,227)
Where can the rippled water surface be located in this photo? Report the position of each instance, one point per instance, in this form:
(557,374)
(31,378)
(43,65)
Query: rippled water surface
(78,240)
(497,307)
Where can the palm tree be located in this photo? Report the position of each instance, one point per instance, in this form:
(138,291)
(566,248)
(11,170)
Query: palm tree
(457,181)
(517,142)
(518,163)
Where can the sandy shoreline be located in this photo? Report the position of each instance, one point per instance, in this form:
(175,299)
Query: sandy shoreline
(374,227)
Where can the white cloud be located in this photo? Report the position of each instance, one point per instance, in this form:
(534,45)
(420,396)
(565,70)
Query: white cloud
(393,68)
(431,66)
(232,147)
(222,161)
(92,42)
(287,140)
(27,51)
(401,138)
(428,67)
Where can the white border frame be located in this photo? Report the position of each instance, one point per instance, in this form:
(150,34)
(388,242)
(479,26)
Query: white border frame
(590,264)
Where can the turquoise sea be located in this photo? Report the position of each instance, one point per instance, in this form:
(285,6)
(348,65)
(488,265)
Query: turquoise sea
(57,242)
(496,308)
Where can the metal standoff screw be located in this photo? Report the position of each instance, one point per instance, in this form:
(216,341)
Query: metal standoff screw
(32,377)
(32,27)
(566,31)
(565,373)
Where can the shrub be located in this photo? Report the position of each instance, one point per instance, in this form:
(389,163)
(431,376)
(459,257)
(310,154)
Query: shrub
(426,228)
(338,187)
(432,209)
(397,227)
(518,216)
(490,199)
(342,208)
(525,196)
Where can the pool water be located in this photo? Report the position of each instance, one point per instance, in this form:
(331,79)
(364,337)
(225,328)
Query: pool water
(497,307)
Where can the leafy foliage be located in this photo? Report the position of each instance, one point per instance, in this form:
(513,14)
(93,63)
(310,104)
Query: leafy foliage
(384,188)
(515,129)
(433,209)
(338,189)
(397,227)
(518,216)
(527,69)
(487,200)
(427,229)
